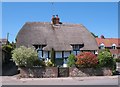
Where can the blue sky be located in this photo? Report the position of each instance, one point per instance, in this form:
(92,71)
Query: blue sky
(100,18)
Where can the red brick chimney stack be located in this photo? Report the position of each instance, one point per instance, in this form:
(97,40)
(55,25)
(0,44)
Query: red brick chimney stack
(57,19)
(53,19)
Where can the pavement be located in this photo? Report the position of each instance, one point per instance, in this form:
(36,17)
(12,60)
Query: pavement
(94,80)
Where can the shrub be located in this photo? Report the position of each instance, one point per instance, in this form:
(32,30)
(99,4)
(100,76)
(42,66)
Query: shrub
(105,59)
(86,59)
(71,60)
(117,59)
(7,47)
(49,63)
(39,63)
(24,56)
(52,56)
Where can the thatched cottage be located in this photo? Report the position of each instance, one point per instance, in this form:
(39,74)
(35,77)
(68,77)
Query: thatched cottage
(64,38)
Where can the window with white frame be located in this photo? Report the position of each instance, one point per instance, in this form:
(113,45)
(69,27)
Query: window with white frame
(102,46)
(113,46)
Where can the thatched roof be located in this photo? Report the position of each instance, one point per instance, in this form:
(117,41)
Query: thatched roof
(58,37)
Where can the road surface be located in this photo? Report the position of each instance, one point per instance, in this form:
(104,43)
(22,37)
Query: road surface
(97,80)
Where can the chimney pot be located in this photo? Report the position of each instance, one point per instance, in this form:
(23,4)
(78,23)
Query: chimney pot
(57,19)
(53,19)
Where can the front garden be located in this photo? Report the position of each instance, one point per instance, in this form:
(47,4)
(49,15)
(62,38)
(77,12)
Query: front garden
(84,64)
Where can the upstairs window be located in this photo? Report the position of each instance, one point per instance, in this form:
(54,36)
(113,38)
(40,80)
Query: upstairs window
(102,46)
(113,46)
(77,46)
(39,47)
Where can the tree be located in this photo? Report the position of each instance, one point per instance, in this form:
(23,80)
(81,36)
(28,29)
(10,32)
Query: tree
(105,59)
(71,60)
(24,56)
(53,56)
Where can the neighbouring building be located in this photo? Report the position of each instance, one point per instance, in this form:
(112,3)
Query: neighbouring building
(4,55)
(64,38)
(3,41)
(113,44)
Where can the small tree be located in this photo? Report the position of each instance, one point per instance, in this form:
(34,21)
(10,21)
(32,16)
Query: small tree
(24,56)
(105,59)
(53,56)
(71,60)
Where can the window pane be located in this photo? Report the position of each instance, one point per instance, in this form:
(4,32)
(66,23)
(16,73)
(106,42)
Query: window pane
(39,54)
(58,54)
(45,54)
(74,52)
(66,54)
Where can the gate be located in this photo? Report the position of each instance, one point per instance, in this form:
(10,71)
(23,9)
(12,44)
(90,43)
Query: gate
(63,72)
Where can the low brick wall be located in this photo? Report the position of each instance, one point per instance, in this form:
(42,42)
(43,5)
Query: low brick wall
(50,72)
(83,72)
(39,72)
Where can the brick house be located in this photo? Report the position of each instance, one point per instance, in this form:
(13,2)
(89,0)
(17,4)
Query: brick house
(113,44)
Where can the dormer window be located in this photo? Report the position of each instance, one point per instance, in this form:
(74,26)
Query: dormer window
(102,46)
(113,46)
(77,46)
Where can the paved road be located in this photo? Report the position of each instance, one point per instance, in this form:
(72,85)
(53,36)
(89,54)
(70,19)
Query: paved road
(99,80)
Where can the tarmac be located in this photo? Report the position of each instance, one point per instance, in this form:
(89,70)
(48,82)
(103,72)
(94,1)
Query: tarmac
(94,80)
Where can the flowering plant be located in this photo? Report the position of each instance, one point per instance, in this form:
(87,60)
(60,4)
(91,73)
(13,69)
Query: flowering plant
(86,59)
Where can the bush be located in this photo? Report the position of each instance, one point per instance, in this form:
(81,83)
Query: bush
(24,56)
(39,63)
(105,59)
(71,60)
(52,56)
(7,47)
(86,59)
(49,63)
(117,59)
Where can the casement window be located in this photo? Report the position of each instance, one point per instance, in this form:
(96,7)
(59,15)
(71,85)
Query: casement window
(66,54)
(58,54)
(102,46)
(45,54)
(77,46)
(39,49)
(113,46)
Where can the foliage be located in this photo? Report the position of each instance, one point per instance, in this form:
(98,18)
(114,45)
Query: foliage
(7,47)
(71,60)
(117,59)
(86,59)
(49,63)
(53,56)
(24,56)
(38,62)
(105,59)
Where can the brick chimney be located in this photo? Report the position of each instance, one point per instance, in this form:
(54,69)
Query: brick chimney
(53,19)
(57,19)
